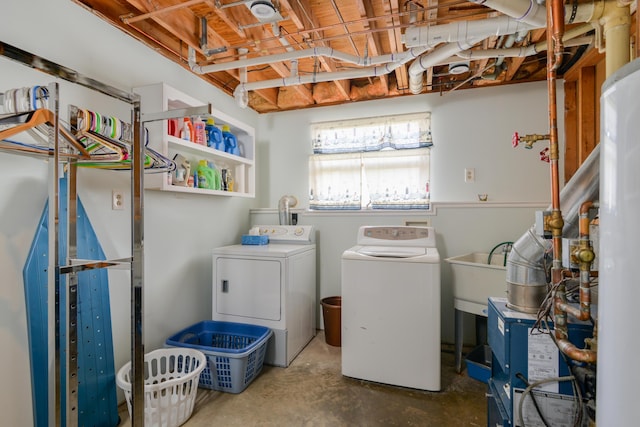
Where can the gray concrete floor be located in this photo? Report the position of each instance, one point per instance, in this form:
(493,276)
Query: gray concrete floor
(312,392)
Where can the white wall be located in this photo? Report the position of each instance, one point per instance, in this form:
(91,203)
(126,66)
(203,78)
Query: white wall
(180,231)
(471,129)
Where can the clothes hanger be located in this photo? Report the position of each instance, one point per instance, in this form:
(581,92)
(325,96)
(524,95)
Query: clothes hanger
(103,142)
(32,120)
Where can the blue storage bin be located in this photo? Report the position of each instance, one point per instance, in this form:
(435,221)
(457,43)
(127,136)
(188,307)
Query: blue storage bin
(479,363)
(235,352)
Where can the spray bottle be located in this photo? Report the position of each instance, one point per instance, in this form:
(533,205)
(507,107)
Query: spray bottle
(199,132)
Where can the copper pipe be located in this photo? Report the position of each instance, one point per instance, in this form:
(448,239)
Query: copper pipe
(585,255)
(557,18)
(555,32)
(556,222)
(587,356)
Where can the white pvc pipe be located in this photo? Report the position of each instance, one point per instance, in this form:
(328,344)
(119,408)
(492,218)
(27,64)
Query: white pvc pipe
(463,30)
(616,22)
(439,54)
(528,11)
(519,51)
(243,98)
(534,13)
(331,76)
(288,56)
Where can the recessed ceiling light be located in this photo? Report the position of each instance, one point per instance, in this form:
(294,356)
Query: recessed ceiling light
(263,9)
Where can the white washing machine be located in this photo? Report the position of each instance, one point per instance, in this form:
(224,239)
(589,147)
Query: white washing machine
(391,307)
(270,285)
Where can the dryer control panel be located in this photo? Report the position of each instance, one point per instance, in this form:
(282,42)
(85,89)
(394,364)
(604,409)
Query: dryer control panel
(396,236)
(299,234)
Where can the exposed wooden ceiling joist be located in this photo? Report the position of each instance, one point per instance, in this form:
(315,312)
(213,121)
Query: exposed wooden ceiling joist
(361,28)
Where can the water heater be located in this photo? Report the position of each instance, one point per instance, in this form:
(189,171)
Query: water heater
(619,291)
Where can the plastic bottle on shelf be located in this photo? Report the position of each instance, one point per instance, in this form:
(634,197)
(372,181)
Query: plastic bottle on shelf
(205,176)
(199,131)
(214,135)
(217,179)
(229,181)
(230,141)
(187,131)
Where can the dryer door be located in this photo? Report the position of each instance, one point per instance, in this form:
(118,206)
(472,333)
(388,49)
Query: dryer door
(248,287)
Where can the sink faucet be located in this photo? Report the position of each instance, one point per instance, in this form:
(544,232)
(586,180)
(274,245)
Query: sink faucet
(506,248)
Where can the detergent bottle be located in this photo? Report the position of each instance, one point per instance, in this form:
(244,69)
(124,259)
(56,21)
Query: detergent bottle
(230,141)
(200,136)
(217,178)
(205,176)
(187,131)
(214,135)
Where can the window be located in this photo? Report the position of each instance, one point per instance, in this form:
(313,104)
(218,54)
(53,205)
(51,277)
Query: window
(374,163)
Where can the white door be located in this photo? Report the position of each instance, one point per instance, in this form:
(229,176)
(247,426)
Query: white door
(248,288)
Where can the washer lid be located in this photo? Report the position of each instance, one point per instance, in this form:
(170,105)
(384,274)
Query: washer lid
(397,235)
(392,252)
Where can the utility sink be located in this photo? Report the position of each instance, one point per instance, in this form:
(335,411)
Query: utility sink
(475,280)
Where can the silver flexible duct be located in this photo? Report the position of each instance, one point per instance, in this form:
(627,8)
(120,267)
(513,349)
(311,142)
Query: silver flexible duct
(526,269)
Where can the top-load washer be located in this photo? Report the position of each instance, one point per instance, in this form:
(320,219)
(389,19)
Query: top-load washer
(391,307)
(271,285)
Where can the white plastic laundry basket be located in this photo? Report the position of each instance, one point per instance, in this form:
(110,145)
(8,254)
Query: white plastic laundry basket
(171,378)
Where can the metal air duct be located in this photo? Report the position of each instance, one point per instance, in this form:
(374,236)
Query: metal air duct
(526,264)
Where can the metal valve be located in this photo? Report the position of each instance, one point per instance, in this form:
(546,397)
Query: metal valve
(528,140)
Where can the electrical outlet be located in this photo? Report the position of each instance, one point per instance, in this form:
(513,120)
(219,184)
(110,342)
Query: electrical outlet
(469,175)
(117,200)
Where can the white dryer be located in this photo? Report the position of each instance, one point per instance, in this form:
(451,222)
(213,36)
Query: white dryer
(271,285)
(391,307)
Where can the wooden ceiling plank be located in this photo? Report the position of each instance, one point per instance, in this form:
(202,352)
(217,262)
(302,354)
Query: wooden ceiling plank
(223,16)
(296,12)
(182,23)
(395,42)
(430,79)
(432,13)
(516,62)
(373,39)
(158,11)
(300,12)
(489,43)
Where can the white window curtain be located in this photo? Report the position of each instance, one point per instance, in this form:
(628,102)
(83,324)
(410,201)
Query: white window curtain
(373,163)
(388,179)
(397,179)
(335,181)
(372,134)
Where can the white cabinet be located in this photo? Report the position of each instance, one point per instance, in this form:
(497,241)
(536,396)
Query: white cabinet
(161,97)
